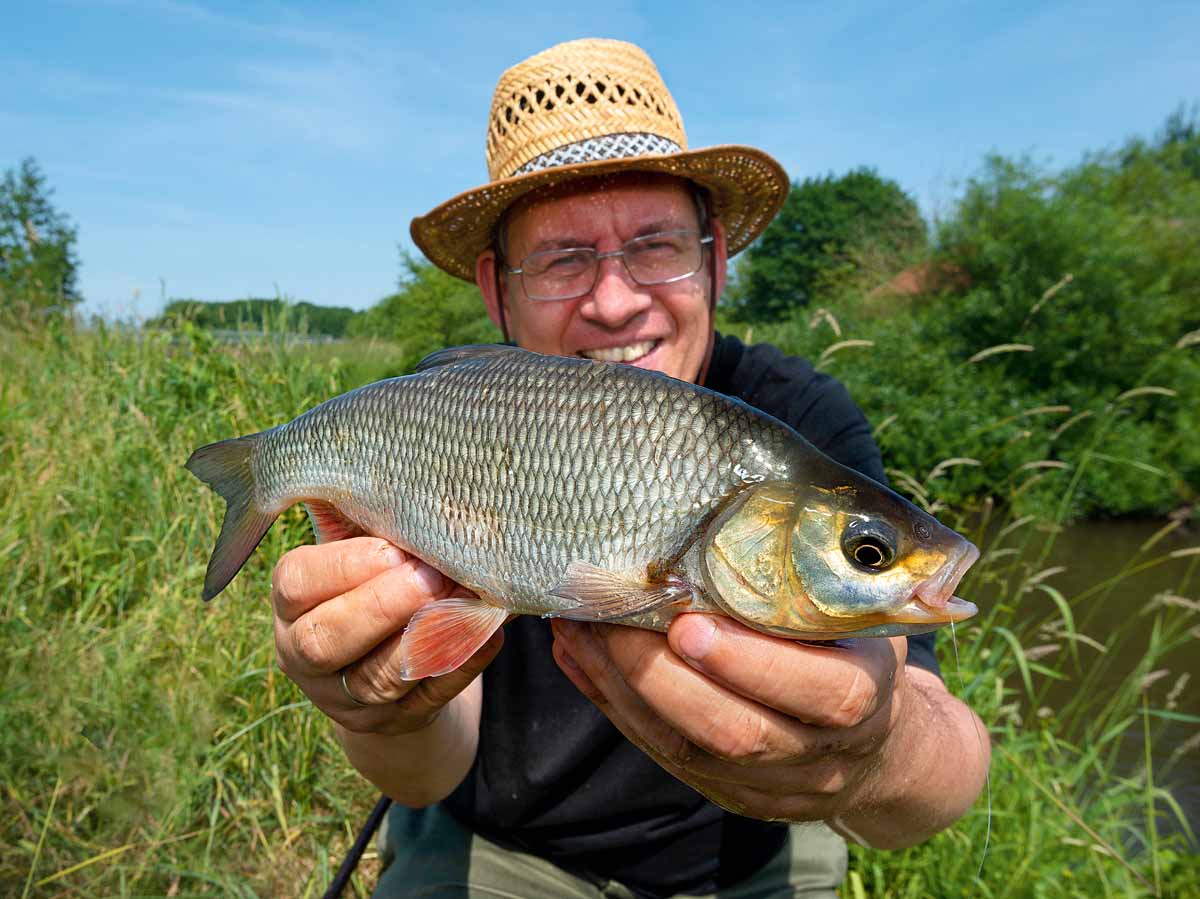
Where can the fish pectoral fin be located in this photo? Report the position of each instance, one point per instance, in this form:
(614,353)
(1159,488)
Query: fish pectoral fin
(443,634)
(603,595)
(328,523)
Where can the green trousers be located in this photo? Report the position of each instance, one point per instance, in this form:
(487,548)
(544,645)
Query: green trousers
(427,854)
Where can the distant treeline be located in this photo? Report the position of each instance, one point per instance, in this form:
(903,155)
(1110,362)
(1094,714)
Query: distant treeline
(259,314)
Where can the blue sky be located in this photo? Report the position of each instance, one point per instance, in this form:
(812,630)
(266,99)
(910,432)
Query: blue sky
(221,150)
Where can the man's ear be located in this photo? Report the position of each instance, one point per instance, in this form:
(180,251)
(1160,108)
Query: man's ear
(485,280)
(720,256)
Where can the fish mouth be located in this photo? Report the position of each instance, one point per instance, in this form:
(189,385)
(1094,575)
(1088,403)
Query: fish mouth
(933,601)
(628,352)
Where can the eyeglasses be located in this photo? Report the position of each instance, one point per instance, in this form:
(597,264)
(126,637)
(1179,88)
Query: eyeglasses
(653,259)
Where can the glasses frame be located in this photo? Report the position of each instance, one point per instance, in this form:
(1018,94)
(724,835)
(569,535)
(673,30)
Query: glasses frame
(705,240)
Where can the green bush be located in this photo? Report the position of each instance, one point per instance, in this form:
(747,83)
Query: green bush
(431,310)
(1072,359)
(829,229)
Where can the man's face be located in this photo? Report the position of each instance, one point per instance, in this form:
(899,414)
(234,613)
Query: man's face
(663,327)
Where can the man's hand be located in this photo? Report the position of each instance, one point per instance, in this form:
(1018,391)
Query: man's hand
(775,729)
(341,607)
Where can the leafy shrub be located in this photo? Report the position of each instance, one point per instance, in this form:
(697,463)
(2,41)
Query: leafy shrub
(1071,361)
(430,310)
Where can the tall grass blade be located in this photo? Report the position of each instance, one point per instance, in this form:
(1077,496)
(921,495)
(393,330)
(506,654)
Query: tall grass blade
(37,852)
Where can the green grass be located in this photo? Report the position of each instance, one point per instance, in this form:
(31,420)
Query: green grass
(149,745)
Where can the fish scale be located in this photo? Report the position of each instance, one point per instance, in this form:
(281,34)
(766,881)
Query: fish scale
(507,471)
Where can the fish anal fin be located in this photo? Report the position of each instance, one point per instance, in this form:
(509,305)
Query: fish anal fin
(443,634)
(450,355)
(604,595)
(329,523)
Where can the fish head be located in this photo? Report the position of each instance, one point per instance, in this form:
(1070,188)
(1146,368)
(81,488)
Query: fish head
(850,559)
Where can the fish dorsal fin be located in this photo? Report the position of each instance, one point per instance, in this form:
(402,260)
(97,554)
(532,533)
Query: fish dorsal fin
(453,354)
(604,595)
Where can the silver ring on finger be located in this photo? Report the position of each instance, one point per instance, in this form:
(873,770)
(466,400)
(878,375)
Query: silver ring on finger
(354,699)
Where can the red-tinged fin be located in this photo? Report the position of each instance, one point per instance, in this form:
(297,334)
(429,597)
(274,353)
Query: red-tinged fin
(603,595)
(226,468)
(444,634)
(328,523)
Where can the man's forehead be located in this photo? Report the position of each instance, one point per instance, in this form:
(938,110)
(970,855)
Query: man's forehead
(648,194)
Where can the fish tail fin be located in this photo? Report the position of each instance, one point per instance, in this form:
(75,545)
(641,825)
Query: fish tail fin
(226,468)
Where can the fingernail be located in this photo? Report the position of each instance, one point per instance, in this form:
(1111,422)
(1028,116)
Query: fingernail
(697,638)
(392,557)
(428,579)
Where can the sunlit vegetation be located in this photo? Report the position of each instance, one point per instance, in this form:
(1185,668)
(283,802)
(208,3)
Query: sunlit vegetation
(1047,369)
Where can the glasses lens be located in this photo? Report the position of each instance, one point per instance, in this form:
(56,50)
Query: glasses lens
(658,258)
(558,274)
(570,273)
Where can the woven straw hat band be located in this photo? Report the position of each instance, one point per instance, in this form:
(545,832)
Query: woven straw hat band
(583,101)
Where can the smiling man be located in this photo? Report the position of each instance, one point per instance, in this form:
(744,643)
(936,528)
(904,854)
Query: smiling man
(589,760)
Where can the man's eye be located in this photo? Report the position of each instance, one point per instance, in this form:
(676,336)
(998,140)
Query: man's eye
(560,263)
(659,247)
(569,261)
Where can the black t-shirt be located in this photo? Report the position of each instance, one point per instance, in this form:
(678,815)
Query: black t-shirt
(553,777)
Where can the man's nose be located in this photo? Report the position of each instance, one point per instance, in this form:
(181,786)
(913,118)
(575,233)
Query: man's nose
(616,298)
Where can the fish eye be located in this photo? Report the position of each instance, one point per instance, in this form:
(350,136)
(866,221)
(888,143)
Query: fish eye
(870,546)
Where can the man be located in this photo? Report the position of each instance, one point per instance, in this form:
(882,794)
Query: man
(592,760)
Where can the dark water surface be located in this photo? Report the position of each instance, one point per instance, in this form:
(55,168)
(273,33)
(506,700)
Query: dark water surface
(1092,554)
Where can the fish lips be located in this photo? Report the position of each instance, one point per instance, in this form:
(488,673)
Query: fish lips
(933,601)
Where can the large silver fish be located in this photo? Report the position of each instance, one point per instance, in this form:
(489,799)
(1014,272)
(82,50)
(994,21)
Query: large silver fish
(559,486)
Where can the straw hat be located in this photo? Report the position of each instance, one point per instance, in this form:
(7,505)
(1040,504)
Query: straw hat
(593,107)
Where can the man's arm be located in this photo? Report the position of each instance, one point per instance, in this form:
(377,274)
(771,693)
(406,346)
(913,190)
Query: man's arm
(931,773)
(341,608)
(780,730)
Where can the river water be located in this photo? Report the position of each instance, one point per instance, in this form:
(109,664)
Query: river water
(1091,554)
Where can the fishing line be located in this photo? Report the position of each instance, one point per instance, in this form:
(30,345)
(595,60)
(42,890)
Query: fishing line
(988,773)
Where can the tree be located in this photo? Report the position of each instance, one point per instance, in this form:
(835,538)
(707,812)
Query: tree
(430,310)
(259,313)
(37,243)
(826,224)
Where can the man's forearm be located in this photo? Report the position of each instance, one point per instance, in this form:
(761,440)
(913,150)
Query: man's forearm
(931,775)
(423,767)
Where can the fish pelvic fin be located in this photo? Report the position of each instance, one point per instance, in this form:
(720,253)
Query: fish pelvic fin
(604,595)
(443,634)
(329,523)
(226,468)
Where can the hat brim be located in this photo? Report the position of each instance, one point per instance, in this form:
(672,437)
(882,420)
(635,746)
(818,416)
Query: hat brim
(748,188)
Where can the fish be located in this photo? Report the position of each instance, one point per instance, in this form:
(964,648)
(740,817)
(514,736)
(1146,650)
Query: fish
(592,491)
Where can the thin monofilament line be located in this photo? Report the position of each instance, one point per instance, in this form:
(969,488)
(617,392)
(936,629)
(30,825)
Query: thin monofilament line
(987,774)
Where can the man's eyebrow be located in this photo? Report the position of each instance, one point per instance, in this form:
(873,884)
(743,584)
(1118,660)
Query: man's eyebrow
(656,227)
(558,243)
(574,243)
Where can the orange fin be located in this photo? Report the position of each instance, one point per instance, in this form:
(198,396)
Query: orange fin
(328,523)
(603,595)
(444,634)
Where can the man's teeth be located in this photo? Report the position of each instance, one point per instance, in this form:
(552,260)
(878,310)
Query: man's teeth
(625,353)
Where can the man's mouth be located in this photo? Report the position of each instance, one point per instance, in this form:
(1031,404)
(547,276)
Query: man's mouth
(627,353)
